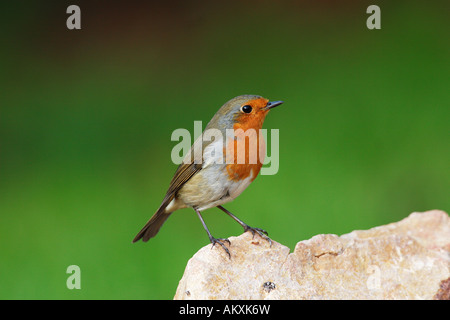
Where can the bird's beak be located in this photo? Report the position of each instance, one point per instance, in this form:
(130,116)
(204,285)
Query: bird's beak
(272,104)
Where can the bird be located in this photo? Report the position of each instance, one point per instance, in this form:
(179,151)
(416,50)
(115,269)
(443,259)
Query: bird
(216,171)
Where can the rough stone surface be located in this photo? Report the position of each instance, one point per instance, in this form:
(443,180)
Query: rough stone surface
(409,259)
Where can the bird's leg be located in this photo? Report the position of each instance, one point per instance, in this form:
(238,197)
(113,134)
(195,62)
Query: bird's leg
(211,238)
(262,233)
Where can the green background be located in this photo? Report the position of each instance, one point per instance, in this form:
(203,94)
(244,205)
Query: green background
(86,118)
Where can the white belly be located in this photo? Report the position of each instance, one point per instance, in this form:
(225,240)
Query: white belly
(211,188)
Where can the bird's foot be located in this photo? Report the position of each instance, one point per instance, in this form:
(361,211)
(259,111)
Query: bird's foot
(262,233)
(222,244)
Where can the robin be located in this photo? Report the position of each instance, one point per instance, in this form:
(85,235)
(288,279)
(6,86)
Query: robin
(213,172)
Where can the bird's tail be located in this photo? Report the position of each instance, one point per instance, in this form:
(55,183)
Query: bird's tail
(153,225)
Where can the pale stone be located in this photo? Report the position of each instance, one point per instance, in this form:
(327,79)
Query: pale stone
(409,259)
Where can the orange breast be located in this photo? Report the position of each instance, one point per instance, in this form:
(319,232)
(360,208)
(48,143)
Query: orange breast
(238,172)
(244,154)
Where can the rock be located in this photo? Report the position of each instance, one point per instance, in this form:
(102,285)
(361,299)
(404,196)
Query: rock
(409,259)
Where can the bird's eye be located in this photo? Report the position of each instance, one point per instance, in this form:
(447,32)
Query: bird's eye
(246,108)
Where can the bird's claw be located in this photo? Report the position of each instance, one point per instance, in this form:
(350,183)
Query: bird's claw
(221,242)
(261,232)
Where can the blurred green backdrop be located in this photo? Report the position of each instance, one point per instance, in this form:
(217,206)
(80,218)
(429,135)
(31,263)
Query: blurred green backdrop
(86,118)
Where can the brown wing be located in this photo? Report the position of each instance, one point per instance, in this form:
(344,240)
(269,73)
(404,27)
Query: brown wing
(192,163)
(182,175)
(184,172)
